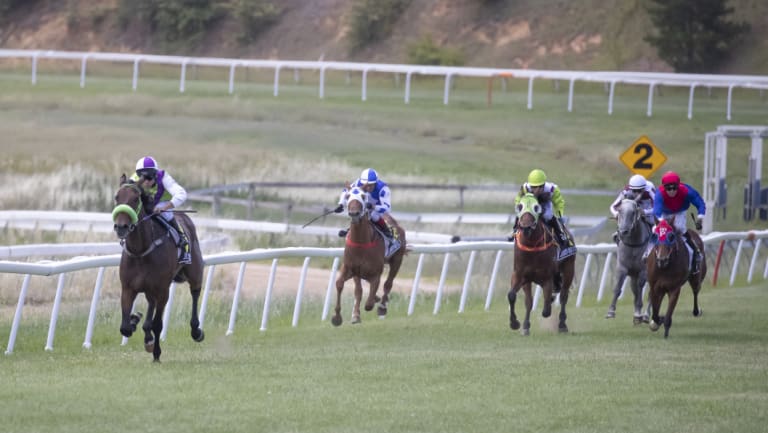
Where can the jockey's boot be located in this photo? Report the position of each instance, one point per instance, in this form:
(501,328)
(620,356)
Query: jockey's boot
(186,257)
(695,267)
(390,232)
(343,233)
(560,236)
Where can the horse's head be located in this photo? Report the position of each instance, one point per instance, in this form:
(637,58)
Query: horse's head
(357,208)
(128,207)
(629,215)
(664,240)
(528,211)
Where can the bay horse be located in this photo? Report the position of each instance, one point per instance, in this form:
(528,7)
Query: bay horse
(668,270)
(536,261)
(634,234)
(364,258)
(150,262)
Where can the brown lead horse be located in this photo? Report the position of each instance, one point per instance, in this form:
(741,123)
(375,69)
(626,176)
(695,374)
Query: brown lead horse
(149,264)
(536,262)
(668,270)
(364,259)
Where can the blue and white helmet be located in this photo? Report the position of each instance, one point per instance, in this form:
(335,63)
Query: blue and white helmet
(146,164)
(368,176)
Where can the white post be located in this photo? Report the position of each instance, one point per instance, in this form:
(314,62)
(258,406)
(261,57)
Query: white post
(690,101)
(82,71)
(415,288)
(322,83)
(467,279)
(276,84)
(447,90)
(492,283)
(331,286)
(408,87)
(649,111)
(232,78)
(135,83)
(206,293)
(17,315)
(443,275)
(570,95)
(92,312)
(364,91)
(268,296)
(235,299)
(167,311)
(300,293)
(55,313)
(183,80)
(610,97)
(530,93)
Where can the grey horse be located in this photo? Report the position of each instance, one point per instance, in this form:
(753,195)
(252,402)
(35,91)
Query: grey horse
(633,235)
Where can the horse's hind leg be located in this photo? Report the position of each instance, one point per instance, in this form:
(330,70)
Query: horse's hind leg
(129,322)
(194,323)
(561,326)
(616,293)
(336,320)
(695,283)
(655,302)
(372,298)
(512,298)
(637,292)
(157,328)
(149,340)
(394,267)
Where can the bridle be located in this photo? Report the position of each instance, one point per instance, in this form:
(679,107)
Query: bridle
(134,214)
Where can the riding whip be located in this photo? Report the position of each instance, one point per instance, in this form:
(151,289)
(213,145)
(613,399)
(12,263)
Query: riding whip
(318,217)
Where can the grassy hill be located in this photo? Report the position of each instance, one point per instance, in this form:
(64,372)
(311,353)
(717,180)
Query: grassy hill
(540,34)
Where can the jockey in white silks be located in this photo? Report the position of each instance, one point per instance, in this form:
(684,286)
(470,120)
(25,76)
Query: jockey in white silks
(643,192)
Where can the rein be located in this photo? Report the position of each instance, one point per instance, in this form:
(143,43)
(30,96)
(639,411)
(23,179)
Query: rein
(638,219)
(539,245)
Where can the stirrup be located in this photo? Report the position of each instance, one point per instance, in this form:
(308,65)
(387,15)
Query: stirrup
(186,258)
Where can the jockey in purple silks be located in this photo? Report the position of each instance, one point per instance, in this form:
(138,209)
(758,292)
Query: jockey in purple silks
(165,194)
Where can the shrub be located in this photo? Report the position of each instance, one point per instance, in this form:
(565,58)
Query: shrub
(426,52)
(373,20)
(254,16)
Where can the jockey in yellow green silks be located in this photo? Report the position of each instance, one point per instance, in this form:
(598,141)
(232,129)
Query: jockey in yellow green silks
(551,201)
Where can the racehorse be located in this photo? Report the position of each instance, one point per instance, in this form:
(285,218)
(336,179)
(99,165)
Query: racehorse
(364,258)
(150,262)
(668,270)
(535,256)
(634,234)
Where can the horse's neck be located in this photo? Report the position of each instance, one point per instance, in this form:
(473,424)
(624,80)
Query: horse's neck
(361,232)
(640,233)
(143,235)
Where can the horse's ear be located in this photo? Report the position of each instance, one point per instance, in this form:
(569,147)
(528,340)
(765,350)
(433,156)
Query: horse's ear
(122,179)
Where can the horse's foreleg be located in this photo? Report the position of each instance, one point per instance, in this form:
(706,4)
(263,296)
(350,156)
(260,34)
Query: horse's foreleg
(561,326)
(372,298)
(616,293)
(129,322)
(194,323)
(358,298)
(528,307)
(655,301)
(546,294)
(672,302)
(394,267)
(336,320)
(637,292)
(147,326)
(512,297)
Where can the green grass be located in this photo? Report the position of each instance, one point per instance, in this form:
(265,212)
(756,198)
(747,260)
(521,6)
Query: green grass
(444,373)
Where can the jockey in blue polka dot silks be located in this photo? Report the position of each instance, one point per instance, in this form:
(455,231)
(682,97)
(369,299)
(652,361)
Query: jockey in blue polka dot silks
(379,201)
(164,194)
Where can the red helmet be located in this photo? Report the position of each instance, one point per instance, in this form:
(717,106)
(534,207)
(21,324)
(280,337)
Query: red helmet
(670,177)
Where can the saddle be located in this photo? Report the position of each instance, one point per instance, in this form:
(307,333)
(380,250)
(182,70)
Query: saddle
(391,245)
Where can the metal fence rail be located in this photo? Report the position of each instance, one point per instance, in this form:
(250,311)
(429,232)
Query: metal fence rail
(590,256)
(610,79)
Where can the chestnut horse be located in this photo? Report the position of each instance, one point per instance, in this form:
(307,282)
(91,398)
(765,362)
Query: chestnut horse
(634,234)
(536,261)
(149,264)
(364,258)
(668,270)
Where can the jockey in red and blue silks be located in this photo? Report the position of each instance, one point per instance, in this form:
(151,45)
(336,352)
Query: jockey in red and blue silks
(673,200)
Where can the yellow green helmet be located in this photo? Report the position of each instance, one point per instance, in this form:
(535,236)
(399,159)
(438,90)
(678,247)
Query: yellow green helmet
(537,177)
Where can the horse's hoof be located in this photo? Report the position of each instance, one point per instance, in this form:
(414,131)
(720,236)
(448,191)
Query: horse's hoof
(382,311)
(546,312)
(355,320)
(654,326)
(126,332)
(514,324)
(637,320)
(610,315)
(525,332)
(149,347)
(698,313)
(198,335)
(156,361)
(369,307)
(336,320)
(646,319)
(563,329)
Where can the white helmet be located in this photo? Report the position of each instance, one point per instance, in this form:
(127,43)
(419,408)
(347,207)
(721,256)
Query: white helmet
(368,176)
(637,182)
(146,164)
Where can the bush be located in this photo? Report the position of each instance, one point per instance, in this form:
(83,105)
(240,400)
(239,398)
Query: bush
(172,21)
(425,52)
(373,20)
(254,16)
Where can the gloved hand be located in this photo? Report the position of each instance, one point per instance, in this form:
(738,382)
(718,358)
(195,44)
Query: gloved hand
(339,209)
(698,222)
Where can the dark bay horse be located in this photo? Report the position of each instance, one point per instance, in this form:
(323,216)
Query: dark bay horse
(364,259)
(536,262)
(634,234)
(149,264)
(668,271)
